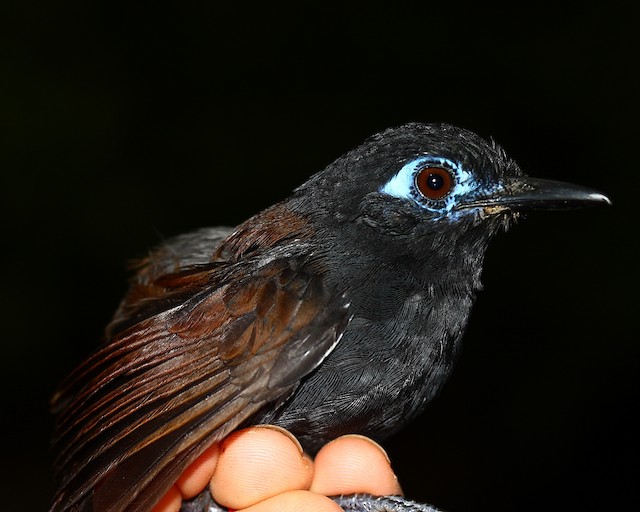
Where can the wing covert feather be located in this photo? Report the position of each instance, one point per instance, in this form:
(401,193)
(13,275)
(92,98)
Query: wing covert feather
(186,373)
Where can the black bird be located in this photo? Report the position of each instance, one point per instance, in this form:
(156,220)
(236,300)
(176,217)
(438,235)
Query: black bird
(337,310)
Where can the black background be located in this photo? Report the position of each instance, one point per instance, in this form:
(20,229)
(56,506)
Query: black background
(123,124)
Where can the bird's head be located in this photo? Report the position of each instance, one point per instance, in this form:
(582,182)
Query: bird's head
(427,189)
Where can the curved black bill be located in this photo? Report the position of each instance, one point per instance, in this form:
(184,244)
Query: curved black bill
(524,193)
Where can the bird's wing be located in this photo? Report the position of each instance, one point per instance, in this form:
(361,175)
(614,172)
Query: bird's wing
(199,359)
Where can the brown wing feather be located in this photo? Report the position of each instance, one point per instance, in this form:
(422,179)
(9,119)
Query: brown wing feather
(187,374)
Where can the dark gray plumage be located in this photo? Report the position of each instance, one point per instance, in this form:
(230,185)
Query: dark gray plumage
(338,310)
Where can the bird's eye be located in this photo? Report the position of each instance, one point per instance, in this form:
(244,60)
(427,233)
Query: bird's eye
(434,182)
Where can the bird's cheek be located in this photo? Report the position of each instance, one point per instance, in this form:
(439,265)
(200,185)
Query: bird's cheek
(387,217)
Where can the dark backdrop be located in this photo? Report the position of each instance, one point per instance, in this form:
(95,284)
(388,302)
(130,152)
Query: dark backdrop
(123,124)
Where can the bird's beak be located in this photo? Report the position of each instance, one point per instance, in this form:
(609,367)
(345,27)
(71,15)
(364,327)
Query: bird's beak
(523,193)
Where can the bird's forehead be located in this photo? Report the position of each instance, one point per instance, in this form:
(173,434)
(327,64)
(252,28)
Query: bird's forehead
(381,157)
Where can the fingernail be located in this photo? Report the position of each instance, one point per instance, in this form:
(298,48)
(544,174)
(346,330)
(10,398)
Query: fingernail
(284,432)
(371,441)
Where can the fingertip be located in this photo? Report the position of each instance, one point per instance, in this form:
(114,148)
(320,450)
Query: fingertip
(357,438)
(285,433)
(256,464)
(352,464)
(295,501)
(196,477)
(170,502)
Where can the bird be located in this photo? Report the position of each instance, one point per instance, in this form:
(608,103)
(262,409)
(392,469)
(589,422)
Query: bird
(339,309)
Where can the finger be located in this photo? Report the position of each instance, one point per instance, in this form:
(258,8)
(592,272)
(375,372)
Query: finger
(295,501)
(257,463)
(170,502)
(196,477)
(351,464)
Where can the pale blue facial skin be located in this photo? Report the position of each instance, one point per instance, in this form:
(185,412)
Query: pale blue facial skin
(403,186)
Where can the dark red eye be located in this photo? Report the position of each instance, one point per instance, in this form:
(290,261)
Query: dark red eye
(434,182)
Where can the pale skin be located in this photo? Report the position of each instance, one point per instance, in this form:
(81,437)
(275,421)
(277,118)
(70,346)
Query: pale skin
(263,469)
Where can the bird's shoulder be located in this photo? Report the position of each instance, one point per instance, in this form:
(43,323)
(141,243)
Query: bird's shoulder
(206,258)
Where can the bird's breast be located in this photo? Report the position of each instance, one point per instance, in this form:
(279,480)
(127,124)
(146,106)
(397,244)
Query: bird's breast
(382,373)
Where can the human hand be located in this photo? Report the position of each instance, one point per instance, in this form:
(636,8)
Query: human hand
(263,469)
